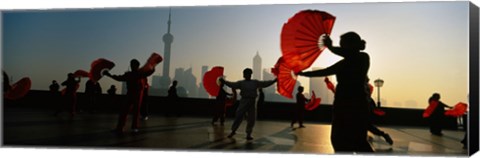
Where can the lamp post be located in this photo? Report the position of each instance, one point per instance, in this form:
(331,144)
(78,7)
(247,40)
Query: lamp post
(378,84)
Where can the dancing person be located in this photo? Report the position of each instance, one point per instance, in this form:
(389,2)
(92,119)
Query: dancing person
(70,95)
(248,92)
(371,127)
(54,90)
(92,92)
(220,107)
(437,118)
(134,94)
(299,108)
(351,115)
(172,107)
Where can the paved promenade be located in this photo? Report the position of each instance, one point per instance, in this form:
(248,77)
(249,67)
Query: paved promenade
(30,128)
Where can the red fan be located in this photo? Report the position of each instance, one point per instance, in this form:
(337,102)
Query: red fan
(211,82)
(19,89)
(459,109)
(152,61)
(378,112)
(300,38)
(370,87)
(430,108)
(286,78)
(313,103)
(98,67)
(329,84)
(81,73)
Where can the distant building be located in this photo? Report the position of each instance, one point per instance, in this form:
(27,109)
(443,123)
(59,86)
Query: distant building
(267,75)
(165,80)
(187,80)
(318,85)
(257,67)
(202,93)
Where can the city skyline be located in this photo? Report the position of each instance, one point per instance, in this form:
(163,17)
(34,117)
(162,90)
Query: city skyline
(56,42)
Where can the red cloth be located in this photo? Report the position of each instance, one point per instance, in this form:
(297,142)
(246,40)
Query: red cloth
(210,80)
(313,103)
(330,85)
(98,66)
(152,61)
(458,110)
(300,38)
(19,89)
(431,107)
(81,73)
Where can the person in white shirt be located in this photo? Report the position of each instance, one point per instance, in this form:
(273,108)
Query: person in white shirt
(248,92)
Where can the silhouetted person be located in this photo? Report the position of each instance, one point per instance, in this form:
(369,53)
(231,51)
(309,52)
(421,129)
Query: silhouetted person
(248,92)
(112,91)
(351,115)
(56,95)
(261,97)
(173,99)
(437,118)
(299,108)
(93,90)
(220,107)
(70,95)
(371,127)
(144,107)
(134,94)
(112,97)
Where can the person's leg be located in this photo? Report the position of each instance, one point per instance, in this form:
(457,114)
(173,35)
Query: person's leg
(239,114)
(137,102)
(251,117)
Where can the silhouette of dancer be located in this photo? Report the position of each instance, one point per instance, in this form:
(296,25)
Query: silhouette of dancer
(144,107)
(299,108)
(134,94)
(248,92)
(56,95)
(92,91)
(371,127)
(173,98)
(351,115)
(437,118)
(112,96)
(70,95)
(112,91)
(220,107)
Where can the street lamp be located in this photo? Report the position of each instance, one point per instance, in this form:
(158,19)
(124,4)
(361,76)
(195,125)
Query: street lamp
(378,84)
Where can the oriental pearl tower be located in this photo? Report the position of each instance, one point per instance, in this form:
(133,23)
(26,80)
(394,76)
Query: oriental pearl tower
(168,40)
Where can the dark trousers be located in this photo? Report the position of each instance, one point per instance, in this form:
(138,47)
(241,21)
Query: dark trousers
(298,115)
(134,100)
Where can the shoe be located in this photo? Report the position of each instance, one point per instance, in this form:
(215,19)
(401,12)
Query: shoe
(249,137)
(231,135)
(388,139)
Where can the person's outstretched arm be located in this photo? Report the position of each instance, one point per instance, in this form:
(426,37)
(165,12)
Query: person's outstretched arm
(115,77)
(323,72)
(234,85)
(264,84)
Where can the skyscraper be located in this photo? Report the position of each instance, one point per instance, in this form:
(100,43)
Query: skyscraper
(257,67)
(168,40)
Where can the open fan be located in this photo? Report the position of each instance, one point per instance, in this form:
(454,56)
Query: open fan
(301,42)
(286,78)
(313,103)
(98,67)
(211,82)
(430,108)
(458,110)
(152,61)
(19,89)
(81,73)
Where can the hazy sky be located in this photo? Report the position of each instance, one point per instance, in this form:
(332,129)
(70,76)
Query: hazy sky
(417,48)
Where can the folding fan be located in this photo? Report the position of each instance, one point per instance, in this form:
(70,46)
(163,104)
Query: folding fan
(98,67)
(458,110)
(301,42)
(313,103)
(378,112)
(81,73)
(430,108)
(286,78)
(211,82)
(329,84)
(19,89)
(152,61)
